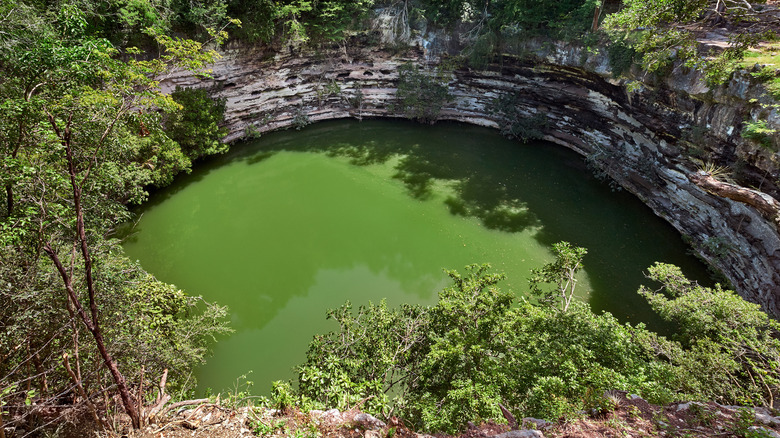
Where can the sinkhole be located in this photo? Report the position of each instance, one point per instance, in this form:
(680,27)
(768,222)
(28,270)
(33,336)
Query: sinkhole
(289,225)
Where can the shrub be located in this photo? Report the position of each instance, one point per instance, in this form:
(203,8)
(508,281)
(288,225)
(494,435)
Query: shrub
(196,127)
(621,57)
(420,95)
(455,361)
(515,123)
(732,348)
(759,132)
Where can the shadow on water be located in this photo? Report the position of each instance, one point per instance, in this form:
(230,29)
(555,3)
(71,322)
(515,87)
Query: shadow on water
(476,190)
(540,189)
(311,231)
(201,169)
(128,232)
(512,187)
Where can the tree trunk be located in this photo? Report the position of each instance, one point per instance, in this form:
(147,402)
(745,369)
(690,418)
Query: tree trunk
(92,322)
(97,334)
(2,425)
(596,15)
(768,206)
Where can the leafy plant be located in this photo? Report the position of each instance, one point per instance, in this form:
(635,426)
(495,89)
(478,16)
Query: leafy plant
(84,124)
(514,122)
(768,75)
(420,95)
(482,51)
(731,348)
(263,428)
(196,127)
(282,396)
(659,27)
(300,119)
(718,246)
(702,414)
(561,274)
(456,361)
(759,132)
(743,419)
(621,57)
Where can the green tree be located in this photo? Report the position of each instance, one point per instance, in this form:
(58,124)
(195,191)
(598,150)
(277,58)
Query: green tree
(561,274)
(732,348)
(660,31)
(420,95)
(257,17)
(331,19)
(78,118)
(196,126)
(467,345)
(513,122)
(369,358)
(477,348)
(540,14)
(82,122)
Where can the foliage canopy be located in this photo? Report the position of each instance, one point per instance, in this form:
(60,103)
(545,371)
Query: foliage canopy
(661,32)
(478,349)
(81,138)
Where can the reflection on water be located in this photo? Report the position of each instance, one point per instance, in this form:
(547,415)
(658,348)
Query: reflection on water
(282,340)
(285,227)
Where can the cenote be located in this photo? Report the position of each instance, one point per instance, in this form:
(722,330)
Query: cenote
(287,226)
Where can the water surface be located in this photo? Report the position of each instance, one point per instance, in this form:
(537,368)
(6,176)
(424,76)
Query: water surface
(287,226)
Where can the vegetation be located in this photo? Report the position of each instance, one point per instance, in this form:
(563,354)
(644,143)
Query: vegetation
(561,275)
(661,35)
(478,349)
(730,348)
(332,20)
(759,132)
(420,95)
(85,132)
(196,127)
(621,57)
(80,139)
(516,124)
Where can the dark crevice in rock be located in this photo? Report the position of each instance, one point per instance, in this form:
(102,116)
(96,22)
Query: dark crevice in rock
(647,139)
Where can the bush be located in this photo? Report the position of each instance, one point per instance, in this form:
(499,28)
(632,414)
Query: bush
(621,57)
(477,347)
(759,132)
(515,123)
(456,361)
(150,326)
(420,95)
(732,348)
(196,128)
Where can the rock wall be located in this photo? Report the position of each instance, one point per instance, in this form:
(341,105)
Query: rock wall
(633,136)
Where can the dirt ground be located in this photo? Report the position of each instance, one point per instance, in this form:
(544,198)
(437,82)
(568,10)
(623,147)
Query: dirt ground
(629,416)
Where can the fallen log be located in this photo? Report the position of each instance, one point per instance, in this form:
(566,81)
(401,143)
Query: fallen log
(768,206)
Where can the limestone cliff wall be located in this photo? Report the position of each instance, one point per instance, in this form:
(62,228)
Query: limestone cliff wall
(634,136)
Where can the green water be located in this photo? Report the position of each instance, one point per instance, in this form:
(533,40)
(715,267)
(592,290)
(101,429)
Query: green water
(287,226)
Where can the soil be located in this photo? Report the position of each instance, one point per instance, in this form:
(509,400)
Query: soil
(628,416)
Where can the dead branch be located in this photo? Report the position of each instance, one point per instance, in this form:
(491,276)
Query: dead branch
(768,206)
(509,417)
(179,404)
(77,382)
(162,397)
(161,386)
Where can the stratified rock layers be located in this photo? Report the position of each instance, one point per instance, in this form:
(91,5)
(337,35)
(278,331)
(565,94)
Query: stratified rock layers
(633,136)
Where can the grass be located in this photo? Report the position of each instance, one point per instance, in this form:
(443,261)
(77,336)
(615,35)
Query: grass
(767,54)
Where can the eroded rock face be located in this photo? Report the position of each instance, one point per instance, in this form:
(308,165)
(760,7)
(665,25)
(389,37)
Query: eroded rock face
(632,136)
